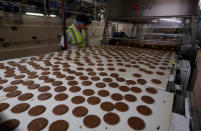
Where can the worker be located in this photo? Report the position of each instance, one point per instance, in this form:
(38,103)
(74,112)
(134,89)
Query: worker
(76,33)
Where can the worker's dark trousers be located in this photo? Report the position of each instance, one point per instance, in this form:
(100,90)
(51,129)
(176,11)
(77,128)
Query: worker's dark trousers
(62,48)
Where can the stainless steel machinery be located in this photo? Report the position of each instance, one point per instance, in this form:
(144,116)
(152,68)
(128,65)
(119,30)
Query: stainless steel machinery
(139,17)
(159,24)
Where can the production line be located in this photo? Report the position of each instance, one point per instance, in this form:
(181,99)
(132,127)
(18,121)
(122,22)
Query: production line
(105,69)
(100,65)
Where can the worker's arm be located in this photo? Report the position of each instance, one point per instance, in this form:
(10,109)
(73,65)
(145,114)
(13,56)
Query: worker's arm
(69,39)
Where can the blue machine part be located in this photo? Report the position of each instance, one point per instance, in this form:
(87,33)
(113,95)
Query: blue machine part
(6,7)
(101,1)
(58,4)
(77,1)
(15,8)
(118,34)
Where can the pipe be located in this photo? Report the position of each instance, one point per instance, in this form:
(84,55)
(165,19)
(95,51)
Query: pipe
(64,23)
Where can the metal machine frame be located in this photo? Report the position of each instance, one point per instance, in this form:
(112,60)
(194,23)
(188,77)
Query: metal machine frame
(118,10)
(122,11)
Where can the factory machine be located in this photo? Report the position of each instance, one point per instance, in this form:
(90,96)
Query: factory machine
(163,25)
(144,75)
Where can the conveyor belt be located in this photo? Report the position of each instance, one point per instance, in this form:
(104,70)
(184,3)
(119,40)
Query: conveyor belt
(100,62)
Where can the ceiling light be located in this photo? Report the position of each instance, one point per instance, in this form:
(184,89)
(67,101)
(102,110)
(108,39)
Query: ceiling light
(35,14)
(172,20)
(51,15)
(154,21)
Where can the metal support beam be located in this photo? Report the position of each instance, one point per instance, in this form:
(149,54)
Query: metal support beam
(105,31)
(195,23)
(64,23)
(197,27)
(95,9)
(20,14)
(45,8)
(193,27)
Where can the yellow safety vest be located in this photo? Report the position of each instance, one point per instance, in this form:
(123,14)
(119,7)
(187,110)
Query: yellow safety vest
(77,38)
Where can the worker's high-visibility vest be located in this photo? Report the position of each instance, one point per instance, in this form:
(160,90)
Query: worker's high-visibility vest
(77,38)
